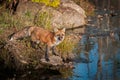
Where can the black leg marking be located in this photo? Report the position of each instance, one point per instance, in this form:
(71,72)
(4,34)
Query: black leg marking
(10,36)
(53,51)
(46,53)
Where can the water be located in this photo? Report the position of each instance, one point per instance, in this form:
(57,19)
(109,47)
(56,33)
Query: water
(99,58)
(102,60)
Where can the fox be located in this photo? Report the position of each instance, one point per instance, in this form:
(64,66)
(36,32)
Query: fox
(38,34)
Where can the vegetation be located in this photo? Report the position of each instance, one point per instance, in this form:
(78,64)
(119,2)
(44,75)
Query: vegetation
(44,19)
(66,46)
(18,22)
(52,3)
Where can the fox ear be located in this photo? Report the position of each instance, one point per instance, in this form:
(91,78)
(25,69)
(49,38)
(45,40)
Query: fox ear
(55,29)
(63,29)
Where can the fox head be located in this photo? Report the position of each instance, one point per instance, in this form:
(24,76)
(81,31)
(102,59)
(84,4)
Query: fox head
(59,35)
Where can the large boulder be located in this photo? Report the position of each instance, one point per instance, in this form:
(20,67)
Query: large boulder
(69,14)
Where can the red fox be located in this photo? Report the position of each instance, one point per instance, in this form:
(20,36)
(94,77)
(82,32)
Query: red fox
(37,34)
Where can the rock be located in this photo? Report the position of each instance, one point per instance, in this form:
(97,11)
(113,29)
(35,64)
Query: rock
(69,14)
(54,60)
(71,4)
(15,49)
(18,55)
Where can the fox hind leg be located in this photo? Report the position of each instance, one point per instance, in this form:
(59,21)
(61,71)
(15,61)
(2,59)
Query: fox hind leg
(33,45)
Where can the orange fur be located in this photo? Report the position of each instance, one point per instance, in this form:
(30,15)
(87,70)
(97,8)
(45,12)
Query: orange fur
(37,34)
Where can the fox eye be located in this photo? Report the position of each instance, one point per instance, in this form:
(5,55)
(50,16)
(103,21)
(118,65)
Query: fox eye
(58,35)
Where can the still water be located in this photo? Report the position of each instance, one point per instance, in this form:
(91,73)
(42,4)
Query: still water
(99,58)
(100,62)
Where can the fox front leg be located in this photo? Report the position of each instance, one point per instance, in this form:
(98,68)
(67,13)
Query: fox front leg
(54,51)
(46,53)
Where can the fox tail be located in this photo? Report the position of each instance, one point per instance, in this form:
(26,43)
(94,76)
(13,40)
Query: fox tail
(20,34)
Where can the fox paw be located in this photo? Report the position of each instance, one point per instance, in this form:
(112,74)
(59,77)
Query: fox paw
(47,59)
(55,54)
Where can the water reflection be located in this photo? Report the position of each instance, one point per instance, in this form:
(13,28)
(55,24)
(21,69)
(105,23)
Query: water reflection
(102,60)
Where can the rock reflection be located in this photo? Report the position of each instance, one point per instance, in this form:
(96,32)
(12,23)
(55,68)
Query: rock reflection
(103,60)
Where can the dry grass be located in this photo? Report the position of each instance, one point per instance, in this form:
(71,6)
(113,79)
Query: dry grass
(44,19)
